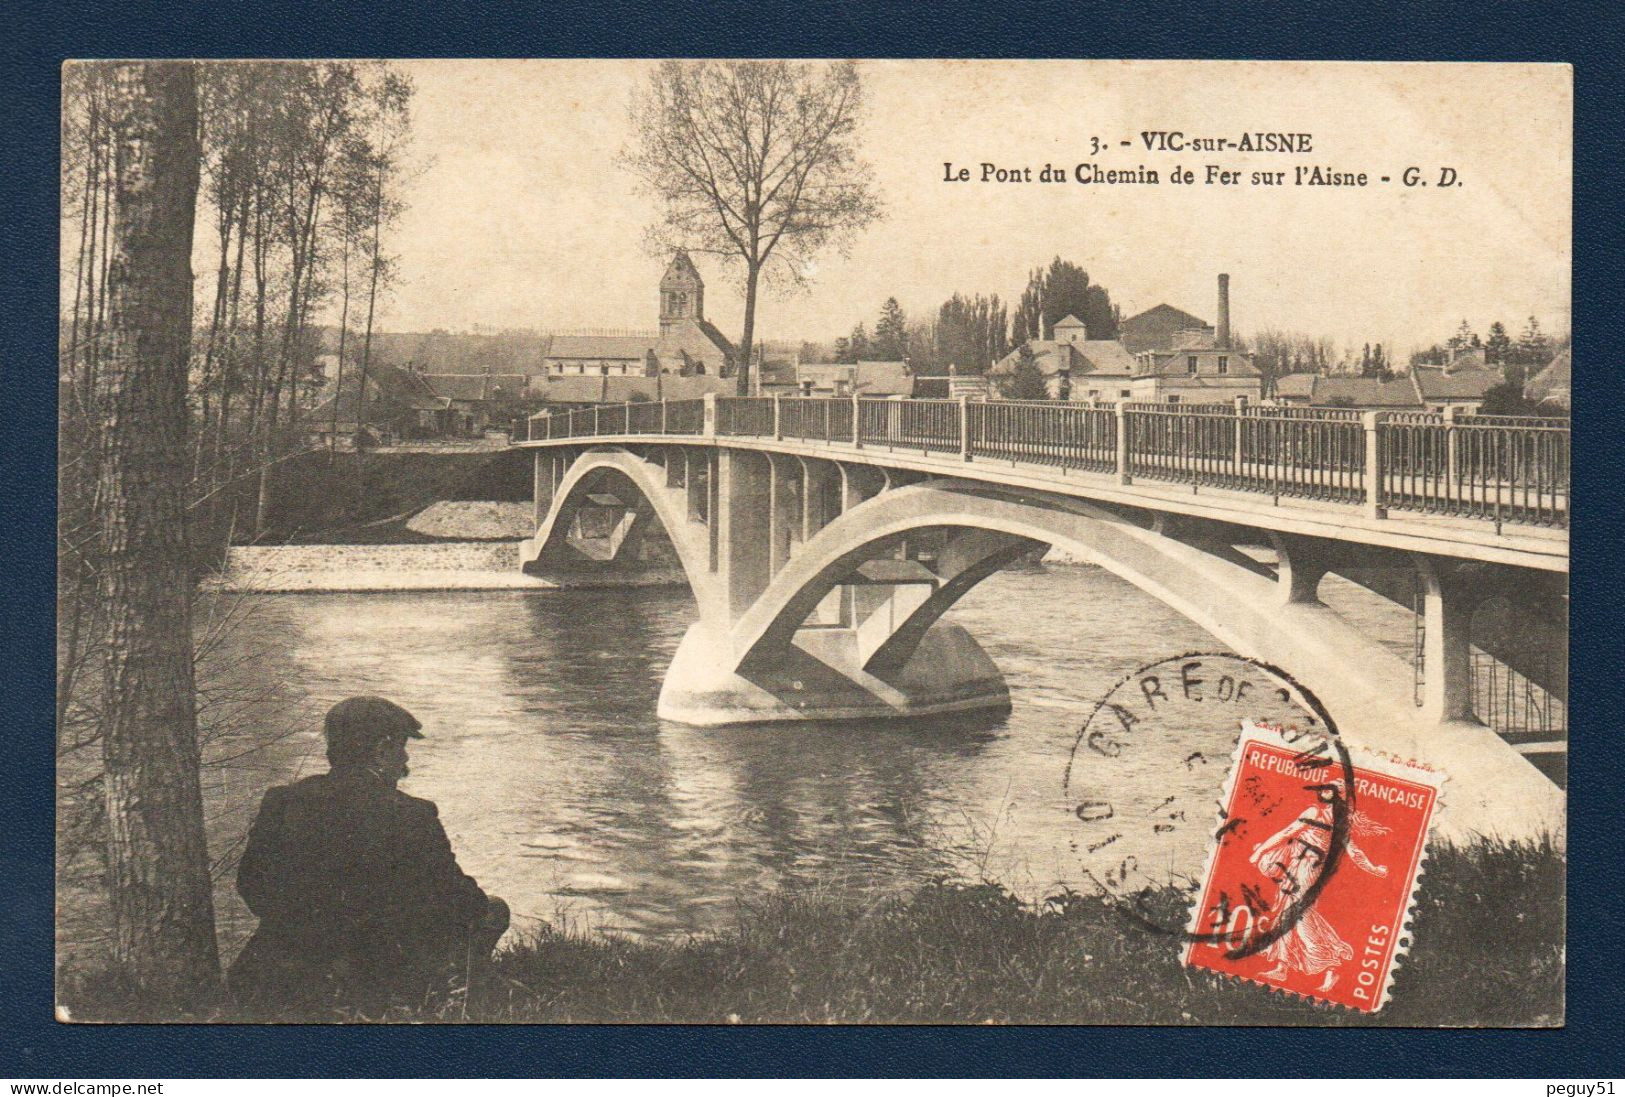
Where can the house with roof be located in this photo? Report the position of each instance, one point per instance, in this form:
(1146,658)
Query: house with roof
(868,379)
(1074,366)
(774,377)
(1197,375)
(1200,367)
(566,393)
(476,401)
(1304,390)
(398,405)
(1438,388)
(1161,328)
(1424,388)
(687,344)
(1553,384)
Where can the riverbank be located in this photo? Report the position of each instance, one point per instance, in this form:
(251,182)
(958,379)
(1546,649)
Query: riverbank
(447,565)
(359,569)
(1487,951)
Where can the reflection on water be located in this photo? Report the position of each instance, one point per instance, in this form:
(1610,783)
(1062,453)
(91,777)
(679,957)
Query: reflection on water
(562,792)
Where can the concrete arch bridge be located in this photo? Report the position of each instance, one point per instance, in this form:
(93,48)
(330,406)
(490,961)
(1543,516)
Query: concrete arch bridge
(825,539)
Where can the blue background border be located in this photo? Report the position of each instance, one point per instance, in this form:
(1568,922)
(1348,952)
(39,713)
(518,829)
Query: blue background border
(41,34)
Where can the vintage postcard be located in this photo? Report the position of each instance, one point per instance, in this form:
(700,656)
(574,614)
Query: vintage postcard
(809,541)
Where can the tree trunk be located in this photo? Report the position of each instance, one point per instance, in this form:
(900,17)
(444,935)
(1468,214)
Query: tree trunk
(366,342)
(217,320)
(225,473)
(344,328)
(158,864)
(87,241)
(228,364)
(752,275)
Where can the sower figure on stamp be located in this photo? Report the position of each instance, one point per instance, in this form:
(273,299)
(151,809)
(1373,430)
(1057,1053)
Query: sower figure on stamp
(1293,858)
(359,895)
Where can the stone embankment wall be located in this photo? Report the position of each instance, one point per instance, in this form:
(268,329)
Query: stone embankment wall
(474,521)
(454,565)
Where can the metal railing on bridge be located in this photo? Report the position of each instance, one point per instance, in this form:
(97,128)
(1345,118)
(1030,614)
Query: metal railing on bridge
(1504,469)
(1498,468)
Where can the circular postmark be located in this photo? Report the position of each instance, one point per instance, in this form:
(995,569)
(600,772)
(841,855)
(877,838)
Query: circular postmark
(1147,785)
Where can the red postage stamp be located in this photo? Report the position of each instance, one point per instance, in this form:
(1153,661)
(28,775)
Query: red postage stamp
(1313,870)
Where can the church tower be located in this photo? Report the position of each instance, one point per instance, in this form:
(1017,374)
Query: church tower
(682,295)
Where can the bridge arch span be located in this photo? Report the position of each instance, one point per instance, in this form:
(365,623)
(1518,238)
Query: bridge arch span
(1190,580)
(754,656)
(617,470)
(1366,685)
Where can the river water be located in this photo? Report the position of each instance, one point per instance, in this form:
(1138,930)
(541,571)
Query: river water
(562,791)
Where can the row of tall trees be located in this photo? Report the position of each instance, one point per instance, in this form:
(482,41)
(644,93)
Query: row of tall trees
(1277,353)
(966,332)
(278,180)
(300,170)
(1063,289)
(893,339)
(970,333)
(1530,351)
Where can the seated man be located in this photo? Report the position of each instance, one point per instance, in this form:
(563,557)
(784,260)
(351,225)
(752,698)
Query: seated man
(360,899)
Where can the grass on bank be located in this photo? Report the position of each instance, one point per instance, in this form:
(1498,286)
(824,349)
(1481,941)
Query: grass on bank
(1487,949)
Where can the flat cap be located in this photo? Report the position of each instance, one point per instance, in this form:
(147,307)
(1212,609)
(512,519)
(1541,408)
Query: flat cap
(360,719)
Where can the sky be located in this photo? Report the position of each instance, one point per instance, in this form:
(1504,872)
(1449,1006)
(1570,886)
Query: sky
(521,217)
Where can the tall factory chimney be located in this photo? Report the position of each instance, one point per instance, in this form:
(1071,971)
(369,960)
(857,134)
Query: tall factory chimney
(1224,312)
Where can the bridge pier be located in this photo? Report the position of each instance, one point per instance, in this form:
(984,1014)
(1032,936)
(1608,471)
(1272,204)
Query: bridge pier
(742,525)
(821,676)
(1450,594)
(786,509)
(544,478)
(1300,565)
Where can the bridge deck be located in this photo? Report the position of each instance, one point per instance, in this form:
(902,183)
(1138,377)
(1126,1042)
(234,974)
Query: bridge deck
(1439,534)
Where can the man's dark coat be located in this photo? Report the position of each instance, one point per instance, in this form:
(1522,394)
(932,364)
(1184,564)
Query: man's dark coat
(360,898)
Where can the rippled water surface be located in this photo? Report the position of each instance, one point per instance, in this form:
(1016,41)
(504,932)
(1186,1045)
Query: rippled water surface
(564,793)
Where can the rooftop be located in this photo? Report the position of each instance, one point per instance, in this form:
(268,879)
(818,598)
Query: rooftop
(601,346)
(475,386)
(615,390)
(1433,383)
(1167,363)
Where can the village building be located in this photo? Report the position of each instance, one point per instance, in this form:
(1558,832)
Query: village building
(478,401)
(1200,367)
(1438,388)
(1314,390)
(1163,355)
(774,376)
(686,345)
(399,406)
(1553,384)
(1424,388)
(405,404)
(1074,366)
(1161,328)
(569,392)
(868,379)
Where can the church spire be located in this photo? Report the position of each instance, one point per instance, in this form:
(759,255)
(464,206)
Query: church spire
(682,293)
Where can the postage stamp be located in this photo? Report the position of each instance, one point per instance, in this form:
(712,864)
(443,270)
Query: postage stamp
(1142,807)
(1274,907)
